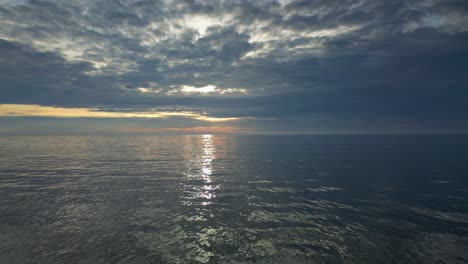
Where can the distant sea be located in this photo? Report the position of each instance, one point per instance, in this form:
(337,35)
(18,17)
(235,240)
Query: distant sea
(234,199)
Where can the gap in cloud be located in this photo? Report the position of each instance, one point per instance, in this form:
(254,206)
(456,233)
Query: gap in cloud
(201,23)
(192,90)
(211,89)
(199,90)
(202,90)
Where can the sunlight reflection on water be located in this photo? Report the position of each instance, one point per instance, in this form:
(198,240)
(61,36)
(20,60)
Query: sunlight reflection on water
(208,157)
(225,199)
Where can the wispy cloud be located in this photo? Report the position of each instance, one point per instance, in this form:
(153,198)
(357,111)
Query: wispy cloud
(15,110)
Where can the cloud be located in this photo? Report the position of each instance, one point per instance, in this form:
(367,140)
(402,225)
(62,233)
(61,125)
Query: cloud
(402,61)
(15,110)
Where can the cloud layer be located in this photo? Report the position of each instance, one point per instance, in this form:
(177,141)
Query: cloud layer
(296,64)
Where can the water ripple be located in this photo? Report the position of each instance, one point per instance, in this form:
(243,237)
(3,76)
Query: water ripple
(230,199)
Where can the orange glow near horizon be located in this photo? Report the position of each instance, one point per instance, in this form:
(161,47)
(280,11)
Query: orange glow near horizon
(215,129)
(16,110)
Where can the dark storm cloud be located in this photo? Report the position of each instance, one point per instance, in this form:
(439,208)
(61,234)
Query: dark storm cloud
(351,60)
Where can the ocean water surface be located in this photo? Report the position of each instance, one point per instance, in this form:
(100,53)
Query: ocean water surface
(234,199)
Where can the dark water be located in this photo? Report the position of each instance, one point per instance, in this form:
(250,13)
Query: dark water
(234,199)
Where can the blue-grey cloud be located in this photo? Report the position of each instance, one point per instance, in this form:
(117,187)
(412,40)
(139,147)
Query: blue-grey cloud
(360,63)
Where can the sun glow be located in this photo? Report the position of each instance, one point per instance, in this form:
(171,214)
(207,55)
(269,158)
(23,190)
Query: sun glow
(201,23)
(210,89)
(203,90)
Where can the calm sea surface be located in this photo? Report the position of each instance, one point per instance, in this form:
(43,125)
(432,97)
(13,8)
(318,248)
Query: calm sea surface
(234,199)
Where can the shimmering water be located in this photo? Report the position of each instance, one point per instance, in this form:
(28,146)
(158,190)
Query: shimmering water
(234,199)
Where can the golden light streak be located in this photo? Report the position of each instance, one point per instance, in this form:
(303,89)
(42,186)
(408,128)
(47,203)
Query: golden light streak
(61,112)
(216,129)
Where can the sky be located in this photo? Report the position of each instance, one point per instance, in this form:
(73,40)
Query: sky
(261,67)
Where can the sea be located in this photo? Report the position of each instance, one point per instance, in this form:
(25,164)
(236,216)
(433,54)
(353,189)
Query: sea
(234,199)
